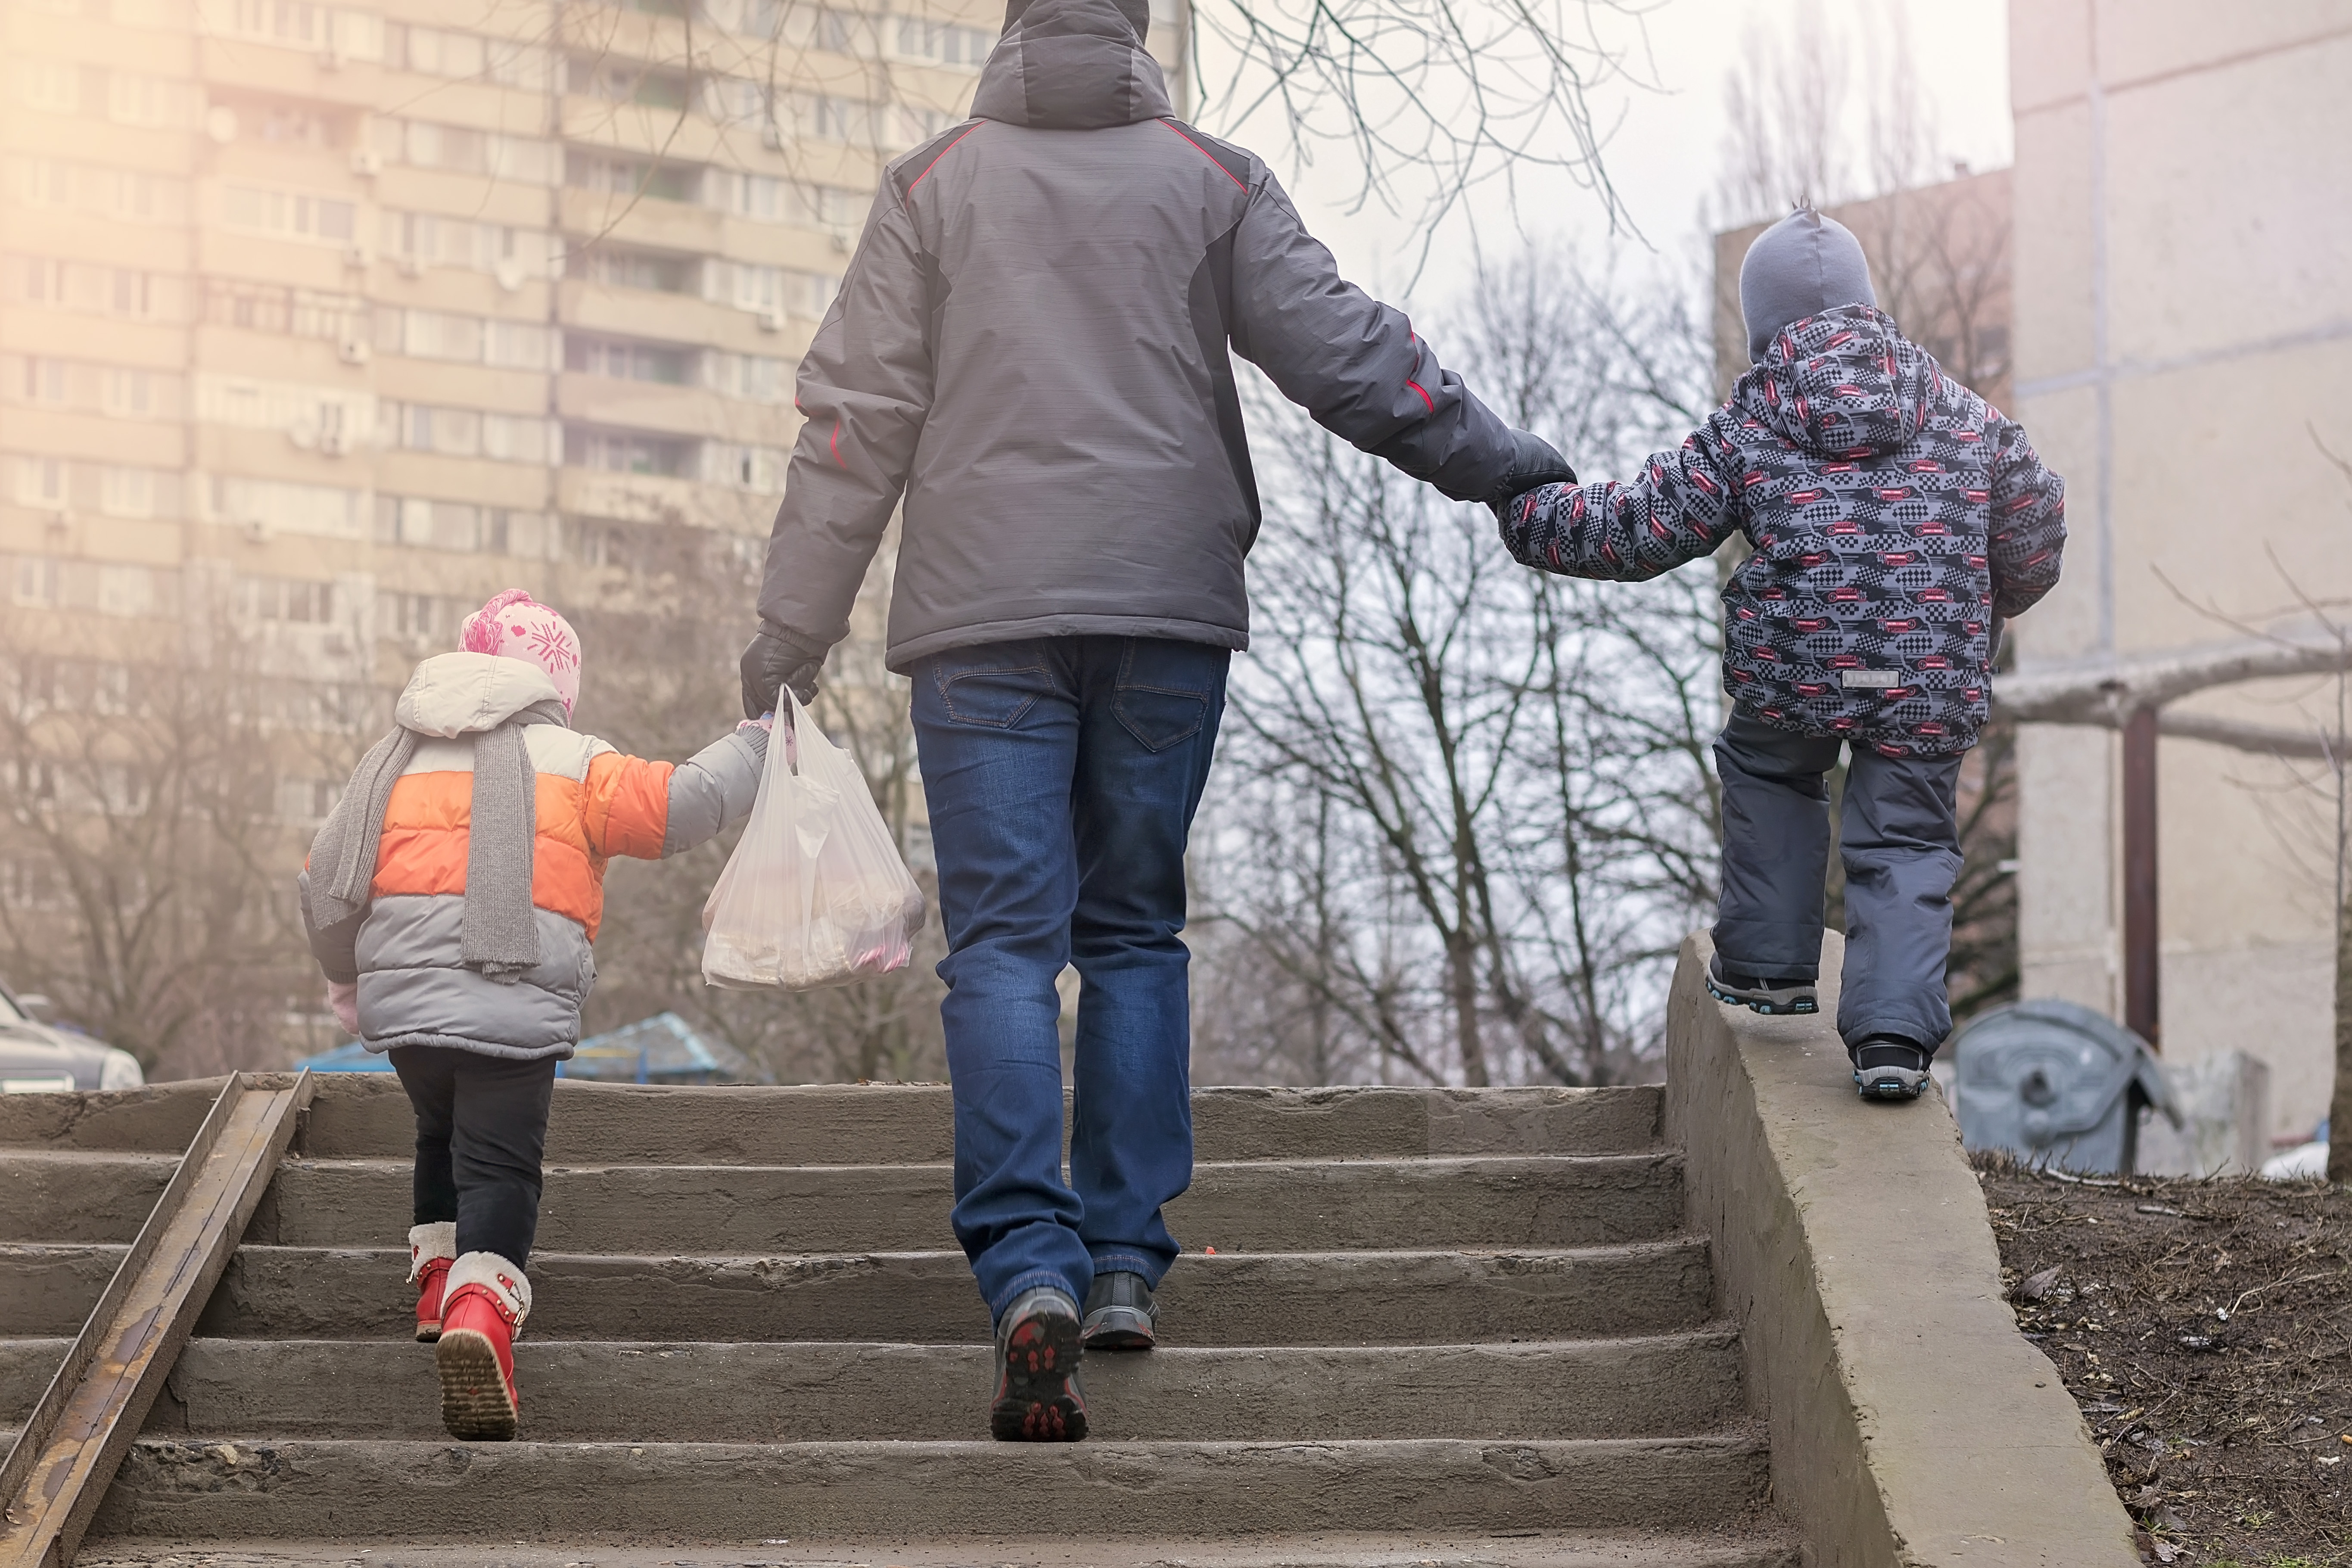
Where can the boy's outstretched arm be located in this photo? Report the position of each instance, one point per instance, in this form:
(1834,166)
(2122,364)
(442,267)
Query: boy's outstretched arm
(1684,505)
(2027,539)
(650,810)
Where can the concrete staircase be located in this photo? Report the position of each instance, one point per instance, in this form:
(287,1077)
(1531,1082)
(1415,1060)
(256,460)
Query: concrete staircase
(1437,1326)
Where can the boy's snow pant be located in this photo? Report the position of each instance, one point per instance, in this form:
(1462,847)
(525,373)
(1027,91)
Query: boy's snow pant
(1900,839)
(482,1127)
(1062,775)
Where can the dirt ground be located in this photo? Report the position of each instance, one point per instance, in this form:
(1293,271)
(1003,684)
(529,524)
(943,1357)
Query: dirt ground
(2205,1328)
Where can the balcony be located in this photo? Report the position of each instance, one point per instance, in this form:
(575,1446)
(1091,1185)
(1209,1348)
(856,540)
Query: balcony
(641,220)
(645,313)
(657,499)
(290,72)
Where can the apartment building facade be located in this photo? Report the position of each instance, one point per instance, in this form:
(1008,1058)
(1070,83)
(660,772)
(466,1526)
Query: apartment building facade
(326,321)
(371,312)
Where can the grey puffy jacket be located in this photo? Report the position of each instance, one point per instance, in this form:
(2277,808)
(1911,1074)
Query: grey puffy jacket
(403,947)
(1032,343)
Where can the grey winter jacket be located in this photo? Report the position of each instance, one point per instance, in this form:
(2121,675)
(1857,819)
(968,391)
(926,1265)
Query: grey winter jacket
(591,803)
(1033,344)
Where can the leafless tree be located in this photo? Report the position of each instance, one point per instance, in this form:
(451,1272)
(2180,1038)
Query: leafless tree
(153,810)
(1474,815)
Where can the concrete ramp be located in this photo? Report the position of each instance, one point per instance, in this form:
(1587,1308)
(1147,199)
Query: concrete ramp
(1910,1423)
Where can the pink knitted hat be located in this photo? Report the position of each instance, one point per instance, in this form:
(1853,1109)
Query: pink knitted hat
(515,626)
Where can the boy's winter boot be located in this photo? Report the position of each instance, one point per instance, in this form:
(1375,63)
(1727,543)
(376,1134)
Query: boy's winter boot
(1887,1067)
(486,1301)
(1773,997)
(1038,1348)
(431,1249)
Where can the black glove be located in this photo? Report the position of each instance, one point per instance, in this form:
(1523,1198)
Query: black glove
(1534,462)
(777,660)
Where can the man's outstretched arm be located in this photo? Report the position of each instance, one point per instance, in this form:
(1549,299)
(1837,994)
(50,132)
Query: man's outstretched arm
(865,387)
(1358,366)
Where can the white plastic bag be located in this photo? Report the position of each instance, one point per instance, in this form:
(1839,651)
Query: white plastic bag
(815,893)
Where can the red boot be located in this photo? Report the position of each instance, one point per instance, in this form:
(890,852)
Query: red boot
(430,1250)
(486,1301)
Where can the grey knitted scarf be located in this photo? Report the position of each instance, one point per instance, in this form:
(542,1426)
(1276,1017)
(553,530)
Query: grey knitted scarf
(500,935)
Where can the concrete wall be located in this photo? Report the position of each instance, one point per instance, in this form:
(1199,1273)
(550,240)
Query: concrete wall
(2183,346)
(1911,1424)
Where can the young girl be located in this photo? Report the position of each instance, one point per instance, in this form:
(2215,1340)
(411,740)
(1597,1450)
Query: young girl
(451,897)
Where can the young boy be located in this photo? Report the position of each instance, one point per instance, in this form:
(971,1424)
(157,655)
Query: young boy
(451,899)
(1897,521)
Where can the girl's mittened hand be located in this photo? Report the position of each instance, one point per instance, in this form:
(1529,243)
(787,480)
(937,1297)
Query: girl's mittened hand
(343,996)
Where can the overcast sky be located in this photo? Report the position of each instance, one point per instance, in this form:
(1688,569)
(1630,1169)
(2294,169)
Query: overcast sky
(1663,117)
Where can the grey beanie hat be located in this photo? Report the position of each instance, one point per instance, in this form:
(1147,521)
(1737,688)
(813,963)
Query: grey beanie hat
(1801,266)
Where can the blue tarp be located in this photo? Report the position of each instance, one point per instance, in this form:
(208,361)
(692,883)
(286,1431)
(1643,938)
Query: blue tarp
(349,1057)
(663,1048)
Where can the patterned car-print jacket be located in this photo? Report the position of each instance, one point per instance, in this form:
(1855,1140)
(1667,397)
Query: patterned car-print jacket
(1896,517)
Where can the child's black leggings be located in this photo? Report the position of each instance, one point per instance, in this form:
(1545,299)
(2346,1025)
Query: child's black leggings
(481,1128)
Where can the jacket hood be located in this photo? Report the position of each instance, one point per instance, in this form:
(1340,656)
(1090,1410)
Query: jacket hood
(456,694)
(1073,65)
(1843,384)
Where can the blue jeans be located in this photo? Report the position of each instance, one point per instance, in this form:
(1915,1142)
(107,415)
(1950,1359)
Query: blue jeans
(1062,775)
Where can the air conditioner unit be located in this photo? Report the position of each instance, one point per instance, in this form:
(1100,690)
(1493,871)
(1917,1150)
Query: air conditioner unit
(366,162)
(510,274)
(411,266)
(257,532)
(354,351)
(357,257)
(335,444)
(771,321)
(305,436)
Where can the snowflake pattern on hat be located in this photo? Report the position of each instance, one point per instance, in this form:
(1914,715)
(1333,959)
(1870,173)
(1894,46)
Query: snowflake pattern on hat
(513,624)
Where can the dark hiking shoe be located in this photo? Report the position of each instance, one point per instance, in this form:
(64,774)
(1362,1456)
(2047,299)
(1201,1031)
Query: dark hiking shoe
(1775,998)
(1887,1068)
(1038,1399)
(1120,1313)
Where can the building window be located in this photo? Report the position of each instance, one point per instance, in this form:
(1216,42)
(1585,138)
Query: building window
(126,491)
(633,177)
(783,289)
(623,81)
(41,482)
(33,584)
(293,601)
(619,452)
(943,43)
(326,511)
(617,269)
(629,362)
(756,378)
(288,215)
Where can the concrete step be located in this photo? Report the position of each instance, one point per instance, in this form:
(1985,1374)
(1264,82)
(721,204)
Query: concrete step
(1264,1205)
(589,1391)
(1744,1548)
(927,1297)
(448,1491)
(365,1115)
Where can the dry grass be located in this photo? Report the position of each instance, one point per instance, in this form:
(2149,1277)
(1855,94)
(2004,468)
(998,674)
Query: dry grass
(2205,1328)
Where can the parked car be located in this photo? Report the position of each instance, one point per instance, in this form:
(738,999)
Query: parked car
(38,1059)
